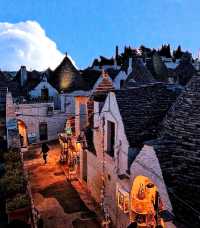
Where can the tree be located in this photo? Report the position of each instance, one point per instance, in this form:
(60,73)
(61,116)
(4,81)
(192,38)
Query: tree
(161,72)
(177,54)
(165,51)
(186,57)
(146,52)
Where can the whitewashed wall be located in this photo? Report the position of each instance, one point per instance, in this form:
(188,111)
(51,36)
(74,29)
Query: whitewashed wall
(113,165)
(118,164)
(36,92)
(68,101)
(79,100)
(33,114)
(111,112)
(121,76)
(147,164)
(11,123)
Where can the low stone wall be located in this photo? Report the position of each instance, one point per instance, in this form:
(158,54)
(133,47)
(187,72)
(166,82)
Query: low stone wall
(13,141)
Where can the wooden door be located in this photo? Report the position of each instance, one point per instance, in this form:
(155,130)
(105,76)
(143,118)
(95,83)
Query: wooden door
(43,131)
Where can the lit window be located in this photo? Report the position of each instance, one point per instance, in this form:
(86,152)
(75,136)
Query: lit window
(122,199)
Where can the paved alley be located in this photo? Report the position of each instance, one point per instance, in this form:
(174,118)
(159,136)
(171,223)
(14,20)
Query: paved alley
(55,198)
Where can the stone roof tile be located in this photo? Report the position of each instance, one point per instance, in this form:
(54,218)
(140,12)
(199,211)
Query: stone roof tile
(178,151)
(142,110)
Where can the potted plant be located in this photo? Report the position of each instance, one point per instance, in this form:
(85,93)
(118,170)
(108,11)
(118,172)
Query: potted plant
(14,166)
(14,171)
(13,187)
(13,183)
(12,155)
(19,207)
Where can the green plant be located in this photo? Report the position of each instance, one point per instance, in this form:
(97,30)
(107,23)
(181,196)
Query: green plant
(12,155)
(18,202)
(161,72)
(13,183)
(10,166)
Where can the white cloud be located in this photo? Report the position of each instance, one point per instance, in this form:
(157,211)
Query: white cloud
(25,43)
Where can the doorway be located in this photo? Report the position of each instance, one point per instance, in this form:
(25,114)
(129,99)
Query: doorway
(22,133)
(45,94)
(43,131)
(85,165)
(145,203)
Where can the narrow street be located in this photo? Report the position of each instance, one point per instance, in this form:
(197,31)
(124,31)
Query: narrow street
(56,199)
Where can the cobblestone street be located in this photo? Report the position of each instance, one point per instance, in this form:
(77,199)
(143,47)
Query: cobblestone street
(56,199)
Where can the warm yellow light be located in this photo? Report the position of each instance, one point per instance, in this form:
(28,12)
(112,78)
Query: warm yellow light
(78,146)
(143,196)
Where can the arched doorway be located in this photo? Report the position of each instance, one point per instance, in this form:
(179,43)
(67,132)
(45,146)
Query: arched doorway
(145,203)
(22,133)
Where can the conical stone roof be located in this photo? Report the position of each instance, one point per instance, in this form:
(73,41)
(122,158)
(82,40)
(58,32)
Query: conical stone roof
(184,72)
(178,151)
(66,77)
(139,75)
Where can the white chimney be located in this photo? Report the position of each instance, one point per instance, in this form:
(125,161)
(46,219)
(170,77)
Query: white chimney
(115,63)
(130,69)
(23,75)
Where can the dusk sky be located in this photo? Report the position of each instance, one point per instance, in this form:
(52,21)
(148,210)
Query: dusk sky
(89,28)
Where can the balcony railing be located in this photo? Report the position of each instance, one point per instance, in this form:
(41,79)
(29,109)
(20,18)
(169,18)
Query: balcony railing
(34,100)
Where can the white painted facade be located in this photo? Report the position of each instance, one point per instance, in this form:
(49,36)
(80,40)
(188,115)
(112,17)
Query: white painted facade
(52,92)
(80,101)
(196,64)
(36,92)
(145,164)
(11,123)
(169,63)
(68,101)
(118,79)
(111,113)
(34,114)
(114,166)
(130,61)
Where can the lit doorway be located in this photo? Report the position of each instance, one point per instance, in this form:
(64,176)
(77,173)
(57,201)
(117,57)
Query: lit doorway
(22,133)
(146,204)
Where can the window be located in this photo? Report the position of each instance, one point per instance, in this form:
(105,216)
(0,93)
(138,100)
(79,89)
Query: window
(122,83)
(49,110)
(122,199)
(44,94)
(43,131)
(110,138)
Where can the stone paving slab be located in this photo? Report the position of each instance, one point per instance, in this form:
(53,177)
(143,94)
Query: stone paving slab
(66,195)
(49,186)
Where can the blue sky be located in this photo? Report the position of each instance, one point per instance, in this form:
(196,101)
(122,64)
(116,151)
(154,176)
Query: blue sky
(89,28)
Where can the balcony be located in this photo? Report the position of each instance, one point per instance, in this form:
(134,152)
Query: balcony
(34,100)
